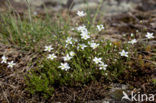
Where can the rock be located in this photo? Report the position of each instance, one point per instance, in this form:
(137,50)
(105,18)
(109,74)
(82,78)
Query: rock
(117,94)
(153,25)
(60,1)
(82,6)
(36,2)
(114,7)
(84,1)
(41,2)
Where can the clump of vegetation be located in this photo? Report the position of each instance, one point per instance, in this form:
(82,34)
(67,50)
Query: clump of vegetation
(78,59)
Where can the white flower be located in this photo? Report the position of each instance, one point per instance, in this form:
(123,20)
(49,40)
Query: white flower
(35,13)
(4,59)
(69,40)
(149,35)
(85,36)
(97,60)
(133,41)
(100,27)
(94,45)
(48,48)
(67,57)
(123,53)
(51,56)
(82,46)
(64,66)
(72,53)
(103,66)
(132,34)
(11,64)
(82,29)
(81,13)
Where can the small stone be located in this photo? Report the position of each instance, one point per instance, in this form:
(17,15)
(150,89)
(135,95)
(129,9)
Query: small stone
(90,5)
(117,94)
(60,1)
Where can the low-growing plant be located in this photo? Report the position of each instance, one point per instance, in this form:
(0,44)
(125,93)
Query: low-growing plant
(80,59)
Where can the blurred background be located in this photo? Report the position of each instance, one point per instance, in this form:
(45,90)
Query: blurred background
(107,6)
